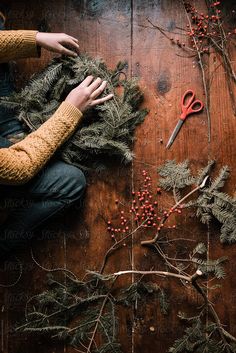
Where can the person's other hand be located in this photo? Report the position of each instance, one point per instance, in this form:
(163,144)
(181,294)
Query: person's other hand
(86,94)
(58,43)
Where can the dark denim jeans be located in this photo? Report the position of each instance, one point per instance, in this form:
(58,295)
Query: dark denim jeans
(57,186)
(53,189)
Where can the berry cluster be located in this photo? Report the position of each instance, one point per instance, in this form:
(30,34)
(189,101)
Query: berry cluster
(143,209)
(203,27)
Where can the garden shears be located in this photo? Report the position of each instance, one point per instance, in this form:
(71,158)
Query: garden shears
(189,107)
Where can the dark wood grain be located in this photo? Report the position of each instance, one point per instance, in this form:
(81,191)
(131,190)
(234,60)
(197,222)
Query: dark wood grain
(104,30)
(165,76)
(119,30)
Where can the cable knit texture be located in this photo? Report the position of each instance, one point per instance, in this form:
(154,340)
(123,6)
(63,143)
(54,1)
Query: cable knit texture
(21,161)
(18,44)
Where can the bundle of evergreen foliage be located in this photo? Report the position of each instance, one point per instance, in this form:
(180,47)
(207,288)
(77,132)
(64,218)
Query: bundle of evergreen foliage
(78,311)
(83,314)
(107,130)
(200,336)
(211,202)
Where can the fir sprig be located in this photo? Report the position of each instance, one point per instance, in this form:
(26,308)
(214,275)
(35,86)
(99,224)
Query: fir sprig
(211,203)
(201,336)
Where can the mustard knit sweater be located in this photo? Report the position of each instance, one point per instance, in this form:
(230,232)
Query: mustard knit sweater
(21,161)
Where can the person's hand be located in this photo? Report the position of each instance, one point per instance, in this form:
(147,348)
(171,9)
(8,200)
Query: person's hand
(58,43)
(85,95)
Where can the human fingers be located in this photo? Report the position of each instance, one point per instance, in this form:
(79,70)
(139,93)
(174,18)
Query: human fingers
(65,51)
(71,42)
(102,100)
(95,84)
(74,39)
(99,90)
(86,82)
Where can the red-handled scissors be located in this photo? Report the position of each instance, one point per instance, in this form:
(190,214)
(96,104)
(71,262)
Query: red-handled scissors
(191,106)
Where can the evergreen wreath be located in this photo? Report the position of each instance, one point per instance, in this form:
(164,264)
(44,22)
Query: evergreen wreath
(107,130)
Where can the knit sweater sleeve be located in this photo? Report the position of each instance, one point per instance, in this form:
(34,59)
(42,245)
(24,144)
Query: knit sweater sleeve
(18,44)
(21,161)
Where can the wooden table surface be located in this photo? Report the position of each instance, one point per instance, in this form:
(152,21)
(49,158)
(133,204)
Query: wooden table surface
(119,30)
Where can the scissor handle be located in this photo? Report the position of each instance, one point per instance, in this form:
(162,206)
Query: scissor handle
(189,101)
(191,109)
(188,108)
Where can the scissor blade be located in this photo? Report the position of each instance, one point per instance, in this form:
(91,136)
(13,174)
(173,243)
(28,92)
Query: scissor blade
(174,133)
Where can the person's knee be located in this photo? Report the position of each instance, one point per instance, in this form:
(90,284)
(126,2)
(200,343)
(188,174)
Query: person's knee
(60,181)
(73,184)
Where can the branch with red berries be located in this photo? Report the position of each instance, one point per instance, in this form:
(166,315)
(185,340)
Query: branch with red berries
(144,212)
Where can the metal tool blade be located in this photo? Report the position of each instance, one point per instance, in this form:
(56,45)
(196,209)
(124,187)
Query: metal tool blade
(174,133)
